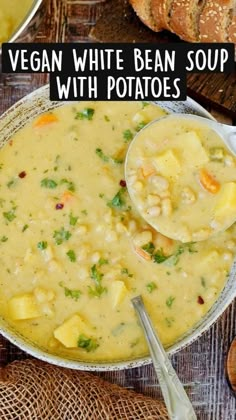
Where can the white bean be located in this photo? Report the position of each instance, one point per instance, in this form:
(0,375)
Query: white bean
(166,207)
(143,238)
(188,196)
(159,182)
(153,199)
(154,211)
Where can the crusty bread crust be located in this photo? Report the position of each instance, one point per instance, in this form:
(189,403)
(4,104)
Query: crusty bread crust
(161,12)
(184,21)
(232,31)
(215,20)
(144,12)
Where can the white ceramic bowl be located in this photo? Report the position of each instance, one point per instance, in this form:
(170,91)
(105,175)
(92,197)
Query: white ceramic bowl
(10,122)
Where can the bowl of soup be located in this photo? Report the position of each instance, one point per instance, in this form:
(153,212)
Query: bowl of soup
(75,250)
(20,19)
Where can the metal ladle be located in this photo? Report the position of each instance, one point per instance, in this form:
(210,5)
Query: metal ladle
(177,402)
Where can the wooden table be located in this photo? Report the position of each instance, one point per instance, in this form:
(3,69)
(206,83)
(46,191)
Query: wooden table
(199,366)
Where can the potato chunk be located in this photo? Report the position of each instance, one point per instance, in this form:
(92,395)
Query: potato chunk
(68,333)
(167,164)
(23,307)
(193,152)
(226,206)
(118,291)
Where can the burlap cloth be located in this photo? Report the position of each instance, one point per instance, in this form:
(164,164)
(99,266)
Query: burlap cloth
(30,389)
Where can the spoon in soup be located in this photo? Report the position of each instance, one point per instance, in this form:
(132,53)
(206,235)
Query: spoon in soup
(177,402)
(181,185)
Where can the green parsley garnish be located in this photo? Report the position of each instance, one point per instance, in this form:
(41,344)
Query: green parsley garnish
(118,200)
(48,183)
(140,126)
(126,272)
(71,255)
(42,245)
(11,183)
(102,155)
(73,219)
(106,118)
(128,135)
(10,215)
(86,343)
(24,228)
(4,238)
(61,236)
(151,286)
(85,114)
(149,248)
(159,257)
(72,293)
(170,301)
(144,104)
(102,261)
(96,276)
(70,184)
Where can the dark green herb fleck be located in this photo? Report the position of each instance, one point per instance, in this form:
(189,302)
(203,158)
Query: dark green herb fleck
(170,301)
(128,135)
(72,293)
(86,343)
(151,286)
(4,239)
(61,236)
(42,245)
(118,200)
(48,183)
(149,248)
(102,261)
(25,227)
(10,215)
(85,114)
(71,255)
(73,219)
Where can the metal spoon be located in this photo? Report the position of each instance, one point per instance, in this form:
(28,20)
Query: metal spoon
(226,132)
(177,402)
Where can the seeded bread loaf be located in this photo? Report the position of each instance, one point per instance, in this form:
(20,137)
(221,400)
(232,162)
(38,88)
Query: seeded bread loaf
(161,12)
(144,11)
(185,16)
(191,20)
(232,30)
(215,20)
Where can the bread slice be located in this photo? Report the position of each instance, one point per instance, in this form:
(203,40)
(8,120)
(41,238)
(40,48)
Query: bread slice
(185,16)
(161,12)
(144,12)
(215,20)
(232,31)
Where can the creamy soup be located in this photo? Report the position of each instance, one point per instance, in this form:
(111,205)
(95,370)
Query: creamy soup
(182,178)
(74,251)
(11,15)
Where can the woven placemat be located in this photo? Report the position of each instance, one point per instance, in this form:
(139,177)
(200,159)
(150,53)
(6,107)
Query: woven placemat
(33,390)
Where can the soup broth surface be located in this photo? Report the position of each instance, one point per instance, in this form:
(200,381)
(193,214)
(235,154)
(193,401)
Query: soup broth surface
(11,15)
(74,250)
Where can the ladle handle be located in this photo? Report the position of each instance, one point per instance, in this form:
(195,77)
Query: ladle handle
(177,402)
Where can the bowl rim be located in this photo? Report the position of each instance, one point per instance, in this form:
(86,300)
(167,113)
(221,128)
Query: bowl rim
(32,349)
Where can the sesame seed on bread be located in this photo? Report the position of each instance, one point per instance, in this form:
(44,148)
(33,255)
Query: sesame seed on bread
(185,15)
(144,12)
(161,12)
(232,30)
(215,20)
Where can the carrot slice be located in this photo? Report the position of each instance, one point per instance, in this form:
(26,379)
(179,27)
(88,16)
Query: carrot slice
(142,253)
(208,182)
(67,197)
(147,170)
(45,119)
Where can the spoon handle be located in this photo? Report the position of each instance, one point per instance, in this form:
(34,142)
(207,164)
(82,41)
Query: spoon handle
(178,405)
